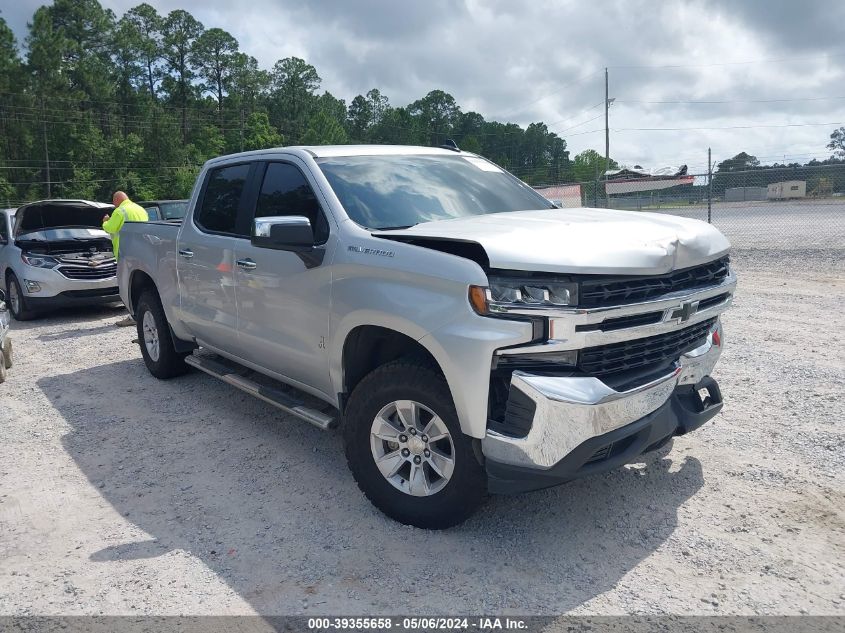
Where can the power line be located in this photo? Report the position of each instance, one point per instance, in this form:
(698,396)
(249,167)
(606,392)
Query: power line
(569,118)
(728,127)
(571,127)
(738,63)
(550,94)
(723,101)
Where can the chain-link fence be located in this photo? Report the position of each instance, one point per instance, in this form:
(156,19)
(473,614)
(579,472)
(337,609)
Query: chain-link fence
(771,207)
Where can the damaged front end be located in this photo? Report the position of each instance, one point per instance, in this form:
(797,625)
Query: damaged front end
(617,367)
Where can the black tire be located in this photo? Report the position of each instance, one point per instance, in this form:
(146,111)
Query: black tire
(3,366)
(411,379)
(23,313)
(7,353)
(169,363)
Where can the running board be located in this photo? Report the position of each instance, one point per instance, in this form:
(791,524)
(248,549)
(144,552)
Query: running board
(272,396)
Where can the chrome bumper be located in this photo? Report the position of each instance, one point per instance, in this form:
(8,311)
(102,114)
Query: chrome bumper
(569,411)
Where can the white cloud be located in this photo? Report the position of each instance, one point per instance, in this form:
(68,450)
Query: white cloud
(503,58)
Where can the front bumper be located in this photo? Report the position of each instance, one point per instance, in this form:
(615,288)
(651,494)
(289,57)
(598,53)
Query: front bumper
(579,423)
(52,283)
(70,298)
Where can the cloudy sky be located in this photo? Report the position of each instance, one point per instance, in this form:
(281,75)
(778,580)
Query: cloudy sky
(736,75)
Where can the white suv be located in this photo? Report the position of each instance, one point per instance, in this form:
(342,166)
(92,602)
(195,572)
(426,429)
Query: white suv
(54,253)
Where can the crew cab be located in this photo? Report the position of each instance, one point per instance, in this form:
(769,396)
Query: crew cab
(54,254)
(465,334)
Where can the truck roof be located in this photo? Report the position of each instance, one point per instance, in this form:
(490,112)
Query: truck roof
(325,151)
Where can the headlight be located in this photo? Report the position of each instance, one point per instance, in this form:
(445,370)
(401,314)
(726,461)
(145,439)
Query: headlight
(39,261)
(506,294)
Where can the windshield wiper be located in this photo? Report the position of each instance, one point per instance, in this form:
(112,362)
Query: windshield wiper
(395,228)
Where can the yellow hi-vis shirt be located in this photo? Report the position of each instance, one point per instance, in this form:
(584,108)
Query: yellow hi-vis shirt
(128,211)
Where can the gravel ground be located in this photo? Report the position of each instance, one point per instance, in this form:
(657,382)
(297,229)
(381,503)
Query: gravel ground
(790,224)
(121,494)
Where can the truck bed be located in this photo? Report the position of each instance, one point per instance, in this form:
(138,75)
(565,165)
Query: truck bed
(150,247)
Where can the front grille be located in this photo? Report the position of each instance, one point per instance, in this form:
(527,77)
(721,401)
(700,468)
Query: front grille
(89,273)
(653,350)
(623,322)
(623,290)
(712,301)
(90,294)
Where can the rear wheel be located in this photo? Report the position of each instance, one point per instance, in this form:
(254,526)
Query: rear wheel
(160,355)
(406,450)
(17,301)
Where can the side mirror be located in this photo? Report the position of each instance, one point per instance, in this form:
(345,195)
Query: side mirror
(283,232)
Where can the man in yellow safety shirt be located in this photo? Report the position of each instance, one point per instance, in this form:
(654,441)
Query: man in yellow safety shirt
(124,211)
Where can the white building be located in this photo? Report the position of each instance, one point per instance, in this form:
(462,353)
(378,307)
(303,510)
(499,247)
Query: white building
(787,189)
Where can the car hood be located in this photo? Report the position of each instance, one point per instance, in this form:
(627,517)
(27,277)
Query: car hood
(59,214)
(580,241)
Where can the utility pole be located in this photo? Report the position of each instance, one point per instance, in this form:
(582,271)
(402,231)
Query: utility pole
(606,126)
(242,129)
(46,151)
(709,187)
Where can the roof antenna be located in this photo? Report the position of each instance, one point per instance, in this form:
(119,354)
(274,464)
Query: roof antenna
(452,145)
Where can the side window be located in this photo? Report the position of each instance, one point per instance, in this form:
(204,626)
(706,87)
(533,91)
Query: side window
(286,192)
(223,192)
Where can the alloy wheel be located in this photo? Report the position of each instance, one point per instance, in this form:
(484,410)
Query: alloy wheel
(412,448)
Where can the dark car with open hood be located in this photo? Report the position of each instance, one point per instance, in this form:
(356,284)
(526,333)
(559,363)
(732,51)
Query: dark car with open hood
(54,253)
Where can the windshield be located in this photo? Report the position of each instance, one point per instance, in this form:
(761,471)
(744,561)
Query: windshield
(383,192)
(174,210)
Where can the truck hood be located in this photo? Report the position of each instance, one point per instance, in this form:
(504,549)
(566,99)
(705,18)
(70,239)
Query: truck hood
(579,241)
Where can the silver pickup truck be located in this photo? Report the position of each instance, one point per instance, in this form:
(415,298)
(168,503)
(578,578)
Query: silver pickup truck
(465,334)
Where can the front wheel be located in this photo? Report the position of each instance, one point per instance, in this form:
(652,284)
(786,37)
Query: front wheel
(160,356)
(17,301)
(405,447)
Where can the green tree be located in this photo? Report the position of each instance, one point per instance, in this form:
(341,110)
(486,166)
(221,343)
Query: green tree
(126,55)
(331,105)
(399,127)
(590,165)
(45,58)
(10,62)
(378,105)
(359,117)
(7,192)
(323,129)
(740,162)
(83,31)
(144,25)
(294,84)
(438,113)
(180,31)
(213,55)
(837,142)
(247,82)
(259,134)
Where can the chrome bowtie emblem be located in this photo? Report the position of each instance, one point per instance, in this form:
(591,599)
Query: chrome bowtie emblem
(684,312)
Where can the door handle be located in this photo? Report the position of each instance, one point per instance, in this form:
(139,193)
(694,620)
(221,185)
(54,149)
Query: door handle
(187,253)
(246,264)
